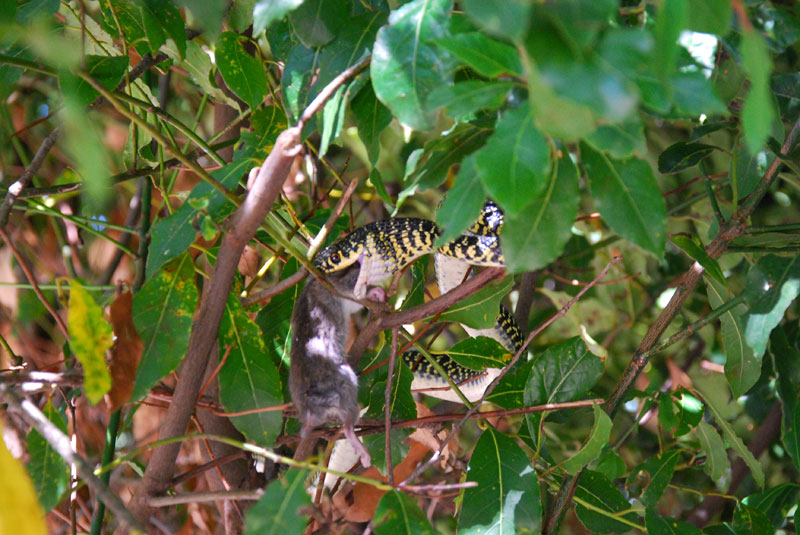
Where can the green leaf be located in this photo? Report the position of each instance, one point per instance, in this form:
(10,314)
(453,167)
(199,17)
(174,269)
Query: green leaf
(786,360)
(790,434)
(90,337)
(601,430)
(136,23)
(658,525)
(717,463)
(694,95)
(242,72)
(316,22)
(538,234)
(691,245)
(333,117)
(172,235)
(620,140)
(479,353)
(661,469)
(463,203)
(267,12)
(48,471)
(772,285)
(515,161)
(750,521)
(240,17)
(690,412)
(208,14)
(666,413)
(737,444)
(296,79)
(376,181)
(441,154)
(747,169)
(598,491)
(479,310)
(757,112)
(671,21)
(107,70)
(371,119)
(169,20)
(352,44)
(278,511)
(710,16)
(510,392)
(468,97)
(406,66)
(27,11)
(682,155)
(509,19)
(247,380)
(506,499)
(610,464)
(775,502)
(162,314)
(564,372)
(628,198)
(742,365)
(399,513)
(631,52)
(198,65)
(485,55)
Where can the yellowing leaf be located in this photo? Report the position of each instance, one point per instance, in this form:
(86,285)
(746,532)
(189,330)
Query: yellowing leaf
(90,337)
(20,511)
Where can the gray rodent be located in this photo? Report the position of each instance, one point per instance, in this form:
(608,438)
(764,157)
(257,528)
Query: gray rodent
(323,386)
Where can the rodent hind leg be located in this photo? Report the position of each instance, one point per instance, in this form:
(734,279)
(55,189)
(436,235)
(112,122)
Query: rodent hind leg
(351,437)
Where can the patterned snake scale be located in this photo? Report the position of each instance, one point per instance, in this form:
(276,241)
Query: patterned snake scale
(387,246)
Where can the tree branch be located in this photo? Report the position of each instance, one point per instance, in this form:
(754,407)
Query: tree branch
(24,181)
(432,307)
(257,204)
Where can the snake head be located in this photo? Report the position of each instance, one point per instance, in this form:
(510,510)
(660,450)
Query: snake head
(340,254)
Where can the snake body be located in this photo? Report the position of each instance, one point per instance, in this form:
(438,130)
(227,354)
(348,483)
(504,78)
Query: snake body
(384,247)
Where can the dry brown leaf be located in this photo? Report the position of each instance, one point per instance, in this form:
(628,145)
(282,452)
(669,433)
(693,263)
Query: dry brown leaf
(248,262)
(365,497)
(677,376)
(126,352)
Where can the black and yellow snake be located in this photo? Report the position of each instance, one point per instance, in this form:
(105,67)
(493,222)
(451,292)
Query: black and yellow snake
(384,247)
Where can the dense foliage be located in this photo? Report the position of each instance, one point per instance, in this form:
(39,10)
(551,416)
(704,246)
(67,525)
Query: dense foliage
(653,140)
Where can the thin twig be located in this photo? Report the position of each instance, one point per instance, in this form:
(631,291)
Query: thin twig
(24,181)
(27,270)
(431,308)
(203,468)
(261,297)
(328,91)
(387,418)
(203,497)
(61,444)
(319,239)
